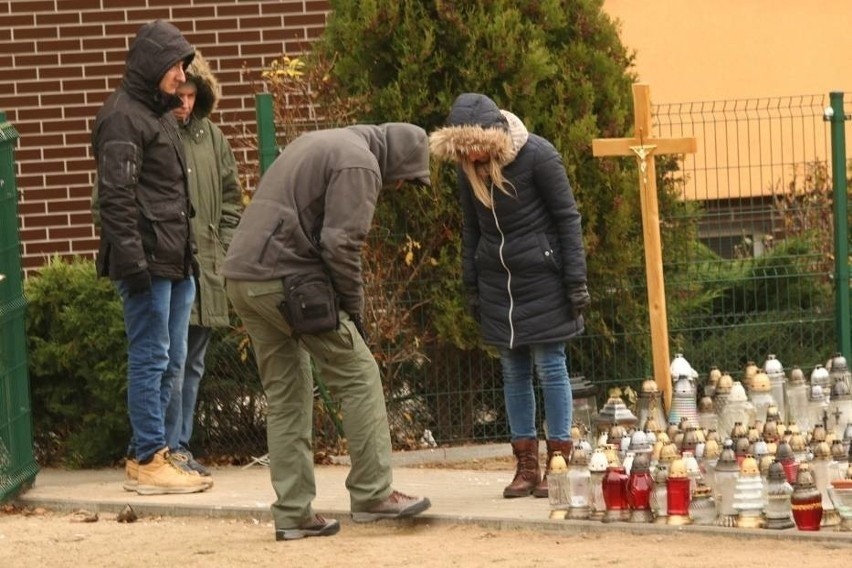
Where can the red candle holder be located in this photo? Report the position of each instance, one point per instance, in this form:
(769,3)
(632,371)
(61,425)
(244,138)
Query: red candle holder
(677,500)
(640,486)
(615,494)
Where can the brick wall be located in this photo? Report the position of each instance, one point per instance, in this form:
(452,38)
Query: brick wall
(59,60)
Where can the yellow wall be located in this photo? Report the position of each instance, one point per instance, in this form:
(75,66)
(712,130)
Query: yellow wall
(700,50)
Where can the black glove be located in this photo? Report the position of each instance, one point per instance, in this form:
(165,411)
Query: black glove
(472,299)
(578,299)
(138,283)
(359,325)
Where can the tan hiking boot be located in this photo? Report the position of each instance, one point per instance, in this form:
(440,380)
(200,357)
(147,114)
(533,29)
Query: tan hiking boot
(131,474)
(161,477)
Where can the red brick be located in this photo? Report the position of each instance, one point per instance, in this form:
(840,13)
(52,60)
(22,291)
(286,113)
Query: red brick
(42,140)
(79,138)
(69,152)
(17,21)
(215,25)
(32,234)
(28,154)
(318,6)
(193,12)
(305,20)
(20,73)
(17,47)
(104,43)
(150,14)
(45,220)
(58,18)
(83,84)
(241,9)
(63,125)
(202,39)
(65,180)
(82,111)
(72,5)
(82,58)
(61,72)
(82,218)
(109,4)
(35,208)
(239,36)
(62,99)
(80,31)
(22,7)
(35,33)
(81,165)
(281,8)
(281,34)
(102,17)
(85,245)
(68,205)
(84,232)
(26,129)
(46,247)
(36,60)
(60,45)
(39,113)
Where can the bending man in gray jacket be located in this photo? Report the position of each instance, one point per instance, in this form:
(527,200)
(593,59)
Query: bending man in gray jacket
(304,231)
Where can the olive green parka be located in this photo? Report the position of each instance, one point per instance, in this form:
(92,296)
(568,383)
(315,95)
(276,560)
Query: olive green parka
(215,194)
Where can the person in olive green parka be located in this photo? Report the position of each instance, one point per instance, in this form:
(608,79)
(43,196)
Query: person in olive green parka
(216,199)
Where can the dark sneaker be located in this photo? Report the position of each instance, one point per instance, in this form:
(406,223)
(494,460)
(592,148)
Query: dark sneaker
(191,462)
(396,506)
(181,461)
(315,526)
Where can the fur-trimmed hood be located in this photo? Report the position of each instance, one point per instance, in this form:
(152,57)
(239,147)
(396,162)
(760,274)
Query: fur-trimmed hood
(207,97)
(476,123)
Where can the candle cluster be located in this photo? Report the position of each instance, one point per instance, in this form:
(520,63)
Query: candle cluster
(765,451)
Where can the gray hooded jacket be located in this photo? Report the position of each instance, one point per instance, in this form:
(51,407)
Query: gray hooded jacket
(314,206)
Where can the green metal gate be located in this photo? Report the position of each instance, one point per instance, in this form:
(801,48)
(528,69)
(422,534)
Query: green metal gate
(17,463)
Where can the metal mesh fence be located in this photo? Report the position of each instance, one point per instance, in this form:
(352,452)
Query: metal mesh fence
(758,194)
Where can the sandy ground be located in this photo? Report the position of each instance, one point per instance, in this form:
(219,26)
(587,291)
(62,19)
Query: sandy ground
(45,538)
(39,537)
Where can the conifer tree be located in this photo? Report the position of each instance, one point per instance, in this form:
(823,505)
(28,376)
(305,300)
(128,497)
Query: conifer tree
(557,64)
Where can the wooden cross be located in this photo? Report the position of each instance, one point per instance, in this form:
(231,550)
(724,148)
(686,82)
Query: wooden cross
(644,147)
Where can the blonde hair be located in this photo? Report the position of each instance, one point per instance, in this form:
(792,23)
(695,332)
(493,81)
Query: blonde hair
(483,176)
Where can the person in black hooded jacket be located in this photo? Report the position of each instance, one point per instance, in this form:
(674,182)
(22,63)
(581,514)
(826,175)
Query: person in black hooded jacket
(523,268)
(146,242)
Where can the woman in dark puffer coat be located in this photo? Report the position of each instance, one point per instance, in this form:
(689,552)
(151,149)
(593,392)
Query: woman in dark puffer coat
(523,267)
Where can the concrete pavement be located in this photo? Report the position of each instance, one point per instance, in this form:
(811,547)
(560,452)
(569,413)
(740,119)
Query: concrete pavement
(457,495)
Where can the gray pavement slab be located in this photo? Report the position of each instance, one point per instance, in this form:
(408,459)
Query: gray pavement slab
(461,496)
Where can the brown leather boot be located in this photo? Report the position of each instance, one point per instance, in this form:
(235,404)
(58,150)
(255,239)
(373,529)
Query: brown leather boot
(564,446)
(527,474)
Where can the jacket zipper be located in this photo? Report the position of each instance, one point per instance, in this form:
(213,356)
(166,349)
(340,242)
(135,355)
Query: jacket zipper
(508,272)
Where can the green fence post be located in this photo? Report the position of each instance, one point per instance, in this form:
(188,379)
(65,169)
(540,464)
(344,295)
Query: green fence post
(17,463)
(838,119)
(267,147)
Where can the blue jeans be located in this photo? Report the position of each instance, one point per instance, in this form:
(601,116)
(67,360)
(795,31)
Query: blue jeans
(180,414)
(551,369)
(156,324)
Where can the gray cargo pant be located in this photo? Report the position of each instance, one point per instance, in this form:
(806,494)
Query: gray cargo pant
(347,367)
